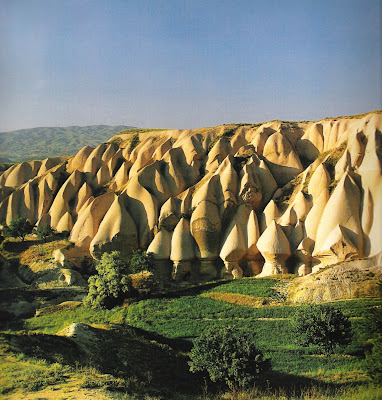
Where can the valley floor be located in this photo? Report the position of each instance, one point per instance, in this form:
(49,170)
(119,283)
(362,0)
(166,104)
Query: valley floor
(139,350)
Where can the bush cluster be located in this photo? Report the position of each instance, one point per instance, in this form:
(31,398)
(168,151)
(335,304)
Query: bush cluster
(112,282)
(228,356)
(323,326)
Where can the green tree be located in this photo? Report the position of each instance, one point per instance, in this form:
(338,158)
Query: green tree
(374,360)
(229,356)
(19,227)
(321,325)
(140,261)
(111,284)
(43,232)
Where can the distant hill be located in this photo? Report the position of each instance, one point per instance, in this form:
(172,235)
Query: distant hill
(40,143)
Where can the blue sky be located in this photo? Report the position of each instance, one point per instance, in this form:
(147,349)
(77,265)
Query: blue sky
(187,63)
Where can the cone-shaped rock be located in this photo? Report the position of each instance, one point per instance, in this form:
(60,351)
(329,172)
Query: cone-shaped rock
(274,247)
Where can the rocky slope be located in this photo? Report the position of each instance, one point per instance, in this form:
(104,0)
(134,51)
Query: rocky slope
(258,199)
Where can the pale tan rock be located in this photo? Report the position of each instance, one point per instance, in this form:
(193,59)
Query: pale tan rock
(141,156)
(77,163)
(250,190)
(266,180)
(14,203)
(103,175)
(117,231)
(65,224)
(218,153)
(94,160)
(270,213)
(144,210)
(274,247)
(89,220)
(343,208)
(311,143)
(169,214)
(48,164)
(259,141)
(319,181)
(176,171)
(121,177)
(304,255)
(45,198)
(343,165)
(206,228)
(19,175)
(66,193)
(356,147)
(296,236)
(314,216)
(282,160)
(83,195)
(160,247)
(337,247)
(109,152)
(232,251)
(301,205)
(182,250)
(162,149)
(27,206)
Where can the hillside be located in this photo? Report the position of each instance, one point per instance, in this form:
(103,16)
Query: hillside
(40,143)
(233,200)
(246,223)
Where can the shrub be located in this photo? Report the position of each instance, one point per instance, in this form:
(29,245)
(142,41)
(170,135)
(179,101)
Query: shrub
(111,284)
(43,232)
(321,325)
(374,360)
(228,356)
(19,227)
(140,261)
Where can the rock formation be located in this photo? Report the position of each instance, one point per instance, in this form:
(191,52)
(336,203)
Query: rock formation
(240,199)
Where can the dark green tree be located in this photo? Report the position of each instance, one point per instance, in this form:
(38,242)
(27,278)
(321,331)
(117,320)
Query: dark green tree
(228,356)
(43,232)
(374,360)
(140,261)
(19,227)
(323,326)
(111,284)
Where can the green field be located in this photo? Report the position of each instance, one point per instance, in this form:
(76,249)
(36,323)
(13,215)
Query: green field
(178,320)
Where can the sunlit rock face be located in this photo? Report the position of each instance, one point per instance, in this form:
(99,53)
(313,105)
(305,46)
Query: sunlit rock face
(222,202)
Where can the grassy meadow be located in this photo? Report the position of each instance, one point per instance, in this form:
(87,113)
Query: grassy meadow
(141,347)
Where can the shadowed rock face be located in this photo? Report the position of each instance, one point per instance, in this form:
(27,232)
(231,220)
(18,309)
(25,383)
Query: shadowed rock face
(210,202)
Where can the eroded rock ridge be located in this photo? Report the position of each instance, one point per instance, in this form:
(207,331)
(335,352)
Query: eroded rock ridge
(252,199)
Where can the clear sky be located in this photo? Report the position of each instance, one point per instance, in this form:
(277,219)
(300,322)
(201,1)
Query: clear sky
(187,63)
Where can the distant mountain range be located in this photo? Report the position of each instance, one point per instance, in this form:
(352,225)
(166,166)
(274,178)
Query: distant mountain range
(40,143)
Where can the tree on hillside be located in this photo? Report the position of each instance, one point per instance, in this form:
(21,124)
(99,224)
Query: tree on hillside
(43,232)
(140,261)
(228,356)
(19,227)
(111,283)
(321,325)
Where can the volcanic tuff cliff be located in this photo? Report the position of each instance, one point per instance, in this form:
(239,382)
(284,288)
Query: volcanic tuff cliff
(262,199)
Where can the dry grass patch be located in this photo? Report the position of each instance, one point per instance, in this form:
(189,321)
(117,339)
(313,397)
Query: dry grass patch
(241,299)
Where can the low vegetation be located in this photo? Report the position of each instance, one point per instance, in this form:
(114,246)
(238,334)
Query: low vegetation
(113,283)
(228,356)
(321,325)
(142,346)
(18,228)
(40,143)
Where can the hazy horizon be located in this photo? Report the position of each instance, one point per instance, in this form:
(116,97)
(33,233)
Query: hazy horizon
(186,64)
